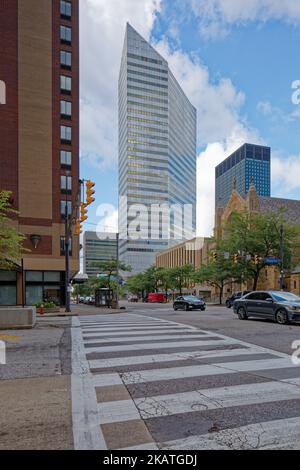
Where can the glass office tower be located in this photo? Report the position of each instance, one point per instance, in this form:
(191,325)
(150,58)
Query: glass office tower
(157,153)
(248,163)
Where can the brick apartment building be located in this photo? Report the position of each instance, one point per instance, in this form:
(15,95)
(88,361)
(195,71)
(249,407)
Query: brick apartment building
(39,140)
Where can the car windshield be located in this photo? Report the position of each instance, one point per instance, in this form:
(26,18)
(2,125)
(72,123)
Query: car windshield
(191,297)
(285,296)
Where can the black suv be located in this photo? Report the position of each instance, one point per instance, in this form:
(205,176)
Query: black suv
(187,302)
(235,296)
(282,307)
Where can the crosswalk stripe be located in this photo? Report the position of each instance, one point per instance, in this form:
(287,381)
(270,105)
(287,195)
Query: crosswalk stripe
(143,338)
(180,344)
(197,400)
(123,410)
(133,328)
(197,371)
(160,358)
(268,435)
(138,332)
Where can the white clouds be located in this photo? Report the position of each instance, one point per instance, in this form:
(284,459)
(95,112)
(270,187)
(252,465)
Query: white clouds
(102,34)
(216,16)
(285,173)
(216,103)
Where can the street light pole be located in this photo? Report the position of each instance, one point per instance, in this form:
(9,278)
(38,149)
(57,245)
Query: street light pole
(281,258)
(67,259)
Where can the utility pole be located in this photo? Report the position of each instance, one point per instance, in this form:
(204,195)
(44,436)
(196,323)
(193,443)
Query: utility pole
(281,258)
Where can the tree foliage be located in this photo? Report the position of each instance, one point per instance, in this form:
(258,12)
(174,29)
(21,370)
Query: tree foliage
(109,270)
(258,234)
(11,241)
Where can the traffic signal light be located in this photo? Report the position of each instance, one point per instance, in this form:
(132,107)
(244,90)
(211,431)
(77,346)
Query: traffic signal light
(83,212)
(78,230)
(89,192)
(256,259)
(215,256)
(236,258)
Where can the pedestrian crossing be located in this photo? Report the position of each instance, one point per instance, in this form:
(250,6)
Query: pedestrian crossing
(157,384)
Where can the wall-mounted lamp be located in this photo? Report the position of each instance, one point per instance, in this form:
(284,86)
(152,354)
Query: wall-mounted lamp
(35,240)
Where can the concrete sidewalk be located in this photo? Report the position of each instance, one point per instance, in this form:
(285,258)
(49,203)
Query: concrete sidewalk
(35,388)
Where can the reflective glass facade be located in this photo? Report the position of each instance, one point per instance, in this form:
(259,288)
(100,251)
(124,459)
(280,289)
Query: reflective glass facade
(248,163)
(157,145)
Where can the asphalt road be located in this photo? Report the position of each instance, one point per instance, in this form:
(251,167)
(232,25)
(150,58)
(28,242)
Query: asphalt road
(223,321)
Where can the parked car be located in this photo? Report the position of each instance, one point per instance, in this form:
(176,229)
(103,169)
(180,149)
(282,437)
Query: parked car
(157,297)
(133,298)
(282,307)
(187,302)
(235,296)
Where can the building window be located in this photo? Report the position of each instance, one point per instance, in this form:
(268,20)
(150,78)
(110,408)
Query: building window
(8,288)
(65,9)
(66,109)
(63,208)
(66,84)
(66,134)
(63,246)
(66,184)
(66,59)
(65,34)
(65,158)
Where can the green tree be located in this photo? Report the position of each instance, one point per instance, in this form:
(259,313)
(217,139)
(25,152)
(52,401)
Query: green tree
(137,284)
(220,272)
(258,234)
(166,280)
(110,269)
(81,290)
(181,277)
(11,241)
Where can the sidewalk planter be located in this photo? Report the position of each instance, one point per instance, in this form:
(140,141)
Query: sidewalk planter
(14,318)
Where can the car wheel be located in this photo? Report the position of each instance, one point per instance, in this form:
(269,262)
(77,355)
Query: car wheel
(282,317)
(242,314)
(228,304)
(175,309)
(203,309)
(186,308)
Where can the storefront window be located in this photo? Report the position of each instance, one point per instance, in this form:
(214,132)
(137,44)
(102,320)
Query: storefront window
(8,295)
(8,288)
(44,286)
(34,294)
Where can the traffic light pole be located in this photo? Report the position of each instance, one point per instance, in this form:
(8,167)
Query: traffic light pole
(67,260)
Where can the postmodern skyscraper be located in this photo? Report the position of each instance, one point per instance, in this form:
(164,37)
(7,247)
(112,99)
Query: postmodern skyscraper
(157,153)
(39,140)
(250,163)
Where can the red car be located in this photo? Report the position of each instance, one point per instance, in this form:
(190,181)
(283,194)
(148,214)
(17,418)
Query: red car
(156,298)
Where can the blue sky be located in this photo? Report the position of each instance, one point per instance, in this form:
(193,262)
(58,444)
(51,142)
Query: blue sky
(236,61)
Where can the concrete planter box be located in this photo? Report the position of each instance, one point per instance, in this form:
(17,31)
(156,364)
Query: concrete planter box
(14,318)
